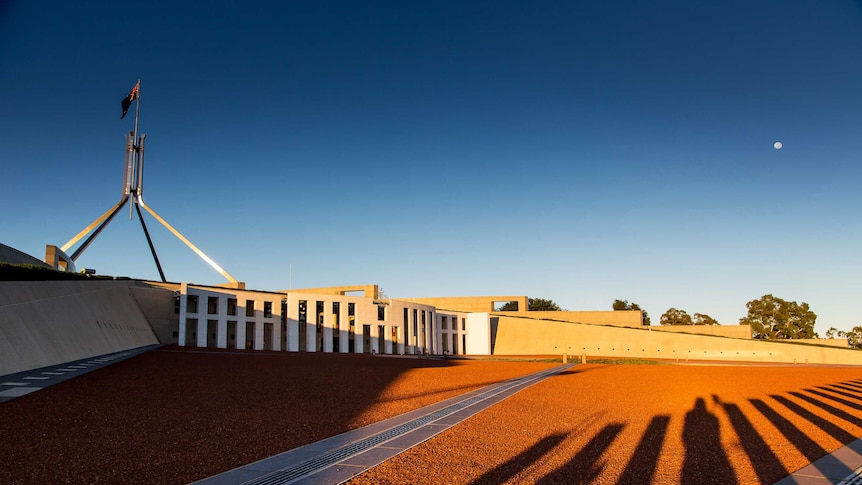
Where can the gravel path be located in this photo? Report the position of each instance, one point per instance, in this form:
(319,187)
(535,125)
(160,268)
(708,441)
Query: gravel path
(174,416)
(640,424)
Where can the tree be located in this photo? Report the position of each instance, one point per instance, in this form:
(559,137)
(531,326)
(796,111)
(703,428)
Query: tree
(675,317)
(620,305)
(534,305)
(704,319)
(772,318)
(832,331)
(854,336)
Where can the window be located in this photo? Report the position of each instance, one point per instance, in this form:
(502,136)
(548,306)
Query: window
(303,311)
(191,304)
(267,309)
(249,308)
(381,312)
(231,306)
(445,322)
(463,324)
(212,305)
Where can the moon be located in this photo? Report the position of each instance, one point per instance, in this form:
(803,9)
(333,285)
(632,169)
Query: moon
(778,145)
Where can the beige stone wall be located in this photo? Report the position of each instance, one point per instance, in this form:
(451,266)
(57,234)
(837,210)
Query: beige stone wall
(622,318)
(477,304)
(50,322)
(732,331)
(526,336)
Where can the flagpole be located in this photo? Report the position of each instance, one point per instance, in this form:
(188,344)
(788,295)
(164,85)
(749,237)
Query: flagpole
(137,109)
(135,147)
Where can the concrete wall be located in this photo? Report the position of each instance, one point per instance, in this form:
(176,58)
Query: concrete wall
(468,303)
(732,331)
(619,318)
(50,322)
(525,336)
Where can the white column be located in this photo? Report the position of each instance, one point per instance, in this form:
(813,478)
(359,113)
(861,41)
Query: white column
(181,331)
(343,328)
(292,324)
(259,327)
(222,330)
(240,322)
(276,325)
(202,327)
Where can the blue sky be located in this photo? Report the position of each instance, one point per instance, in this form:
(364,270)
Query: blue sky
(577,151)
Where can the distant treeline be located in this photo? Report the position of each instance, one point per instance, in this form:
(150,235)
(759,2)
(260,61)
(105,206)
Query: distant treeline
(32,272)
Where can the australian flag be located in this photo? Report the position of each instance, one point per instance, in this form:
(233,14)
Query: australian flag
(127,101)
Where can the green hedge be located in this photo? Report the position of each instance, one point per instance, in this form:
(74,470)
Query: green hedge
(32,272)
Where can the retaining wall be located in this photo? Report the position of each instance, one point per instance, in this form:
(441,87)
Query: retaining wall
(526,336)
(51,322)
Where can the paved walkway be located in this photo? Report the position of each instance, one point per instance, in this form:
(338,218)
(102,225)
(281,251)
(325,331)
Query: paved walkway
(22,383)
(842,467)
(339,458)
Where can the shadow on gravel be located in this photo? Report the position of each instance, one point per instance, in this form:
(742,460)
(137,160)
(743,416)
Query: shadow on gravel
(508,470)
(641,467)
(172,416)
(766,465)
(705,460)
(585,466)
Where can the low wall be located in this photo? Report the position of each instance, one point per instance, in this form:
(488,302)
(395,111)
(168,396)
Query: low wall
(732,331)
(526,336)
(51,322)
(616,318)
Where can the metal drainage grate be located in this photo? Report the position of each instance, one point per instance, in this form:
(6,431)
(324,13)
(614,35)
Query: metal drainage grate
(854,478)
(312,465)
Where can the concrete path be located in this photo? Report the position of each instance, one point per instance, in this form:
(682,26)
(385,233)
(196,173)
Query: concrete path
(339,458)
(843,467)
(22,383)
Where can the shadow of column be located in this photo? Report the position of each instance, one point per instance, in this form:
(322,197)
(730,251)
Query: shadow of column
(838,413)
(705,460)
(808,447)
(641,467)
(511,467)
(835,431)
(584,467)
(836,399)
(844,391)
(856,392)
(766,464)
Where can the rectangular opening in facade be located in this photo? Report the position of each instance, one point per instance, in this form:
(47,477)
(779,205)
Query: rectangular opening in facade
(381,339)
(267,309)
(231,334)
(267,335)
(212,333)
(303,324)
(319,327)
(366,339)
(454,344)
(464,344)
(507,306)
(192,332)
(249,308)
(249,335)
(231,306)
(351,334)
(191,303)
(415,330)
(212,305)
(381,312)
(444,322)
(336,326)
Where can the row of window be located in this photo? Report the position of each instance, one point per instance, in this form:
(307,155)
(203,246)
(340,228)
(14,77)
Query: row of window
(213,306)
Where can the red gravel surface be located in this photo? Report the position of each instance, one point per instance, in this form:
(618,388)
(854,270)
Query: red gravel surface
(640,424)
(174,416)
